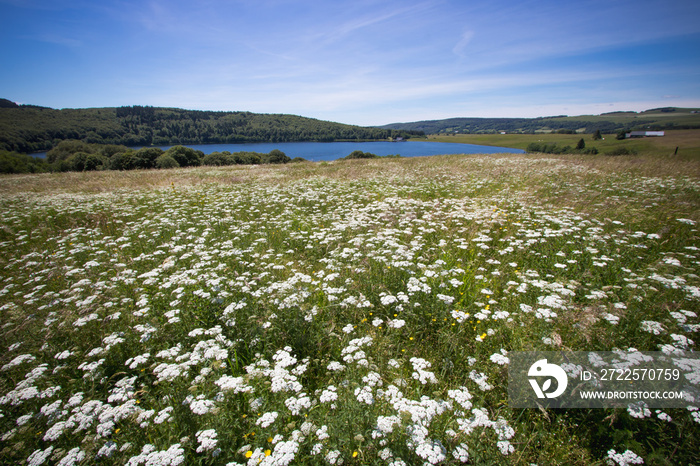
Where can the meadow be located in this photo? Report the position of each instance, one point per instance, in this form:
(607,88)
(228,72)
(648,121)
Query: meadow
(351,312)
(687,141)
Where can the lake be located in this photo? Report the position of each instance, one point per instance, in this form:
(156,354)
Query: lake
(319,151)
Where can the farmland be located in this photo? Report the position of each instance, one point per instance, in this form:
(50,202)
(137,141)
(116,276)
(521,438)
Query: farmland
(687,141)
(352,312)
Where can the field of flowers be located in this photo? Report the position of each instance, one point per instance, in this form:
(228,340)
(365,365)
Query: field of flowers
(354,312)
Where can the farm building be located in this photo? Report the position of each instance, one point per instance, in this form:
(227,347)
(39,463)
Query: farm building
(644,134)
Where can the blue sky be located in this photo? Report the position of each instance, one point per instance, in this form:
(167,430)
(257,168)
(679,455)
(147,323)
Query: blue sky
(362,62)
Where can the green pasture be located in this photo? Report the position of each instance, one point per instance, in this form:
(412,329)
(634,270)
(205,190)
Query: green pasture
(687,141)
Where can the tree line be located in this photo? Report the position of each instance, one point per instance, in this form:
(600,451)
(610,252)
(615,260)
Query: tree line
(609,123)
(29,128)
(74,155)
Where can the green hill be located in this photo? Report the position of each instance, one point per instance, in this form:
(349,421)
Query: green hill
(29,128)
(656,119)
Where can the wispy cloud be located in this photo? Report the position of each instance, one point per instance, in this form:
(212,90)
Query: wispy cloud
(58,40)
(460,48)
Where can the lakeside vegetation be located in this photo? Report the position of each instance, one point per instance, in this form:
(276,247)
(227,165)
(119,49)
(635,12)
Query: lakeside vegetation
(29,128)
(358,154)
(80,156)
(356,311)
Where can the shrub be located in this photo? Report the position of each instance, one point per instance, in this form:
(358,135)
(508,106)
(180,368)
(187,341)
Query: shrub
(215,159)
(147,156)
(545,148)
(276,156)
(65,149)
(622,151)
(109,150)
(76,162)
(123,161)
(95,162)
(12,162)
(166,161)
(248,158)
(358,154)
(186,156)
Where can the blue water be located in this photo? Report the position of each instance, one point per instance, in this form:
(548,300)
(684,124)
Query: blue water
(318,151)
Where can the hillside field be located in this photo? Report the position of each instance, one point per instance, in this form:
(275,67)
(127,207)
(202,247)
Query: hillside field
(356,312)
(668,118)
(687,141)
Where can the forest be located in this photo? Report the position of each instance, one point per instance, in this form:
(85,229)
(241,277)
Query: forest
(30,128)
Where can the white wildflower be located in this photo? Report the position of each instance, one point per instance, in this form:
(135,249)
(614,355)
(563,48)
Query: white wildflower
(206,439)
(267,419)
(652,327)
(623,459)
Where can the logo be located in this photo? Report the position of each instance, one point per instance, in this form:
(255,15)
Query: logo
(542,369)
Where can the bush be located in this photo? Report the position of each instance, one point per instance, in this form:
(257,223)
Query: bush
(12,162)
(186,156)
(622,151)
(166,161)
(123,161)
(147,156)
(95,162)
(276,156)
(548,148)
(358,154)
(215,159)
(248,158)
(76,162)
(545,148)
(109,150)
(67,148)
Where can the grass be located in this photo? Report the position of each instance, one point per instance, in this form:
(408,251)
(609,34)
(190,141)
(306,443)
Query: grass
(347,311)
(687,141)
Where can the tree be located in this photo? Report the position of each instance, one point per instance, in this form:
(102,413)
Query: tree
(215,159)
(581,144)
(277,156)
(12,162)
(65,149)
(165,161)
(185,156)
(95,162)
(123,161)
(597,136)
(147,156)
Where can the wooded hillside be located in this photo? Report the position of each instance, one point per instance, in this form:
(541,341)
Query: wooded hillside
(29,128)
